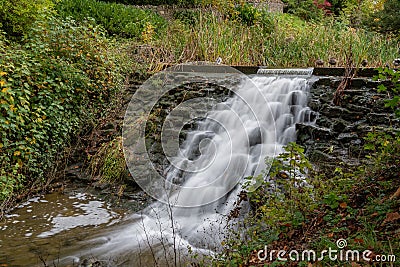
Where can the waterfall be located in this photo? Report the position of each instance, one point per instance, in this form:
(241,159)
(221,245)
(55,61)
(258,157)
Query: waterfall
(234,139)
(286,72)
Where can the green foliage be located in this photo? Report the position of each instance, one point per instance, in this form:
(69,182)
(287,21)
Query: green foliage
(287,193)
(386,20)
(247,14)
(182,3)
(286,202)
(306,9)
(48,90)
(189,17)
(384,146)
(117,19)
(17,16)
(384,150)
(299,43)
(393,76)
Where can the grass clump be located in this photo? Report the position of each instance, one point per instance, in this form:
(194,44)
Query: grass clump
(109,163)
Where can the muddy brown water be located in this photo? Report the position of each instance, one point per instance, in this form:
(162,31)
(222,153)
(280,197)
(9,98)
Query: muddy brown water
(49,227)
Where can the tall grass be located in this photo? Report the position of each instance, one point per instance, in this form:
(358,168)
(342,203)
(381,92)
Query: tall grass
(276,40)
(301,46)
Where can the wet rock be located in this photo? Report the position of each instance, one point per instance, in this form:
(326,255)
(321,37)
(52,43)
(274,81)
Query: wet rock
(380,119)
(308,131)
(331,111)
(347,137)
(320,156)
(75,172)
(323,81)
(358,83)
(339,125)
(338,133)
(255,137)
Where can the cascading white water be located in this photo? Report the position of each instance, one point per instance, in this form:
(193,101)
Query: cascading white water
(231,140)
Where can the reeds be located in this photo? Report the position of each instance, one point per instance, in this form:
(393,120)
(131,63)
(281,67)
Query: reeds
(281,40)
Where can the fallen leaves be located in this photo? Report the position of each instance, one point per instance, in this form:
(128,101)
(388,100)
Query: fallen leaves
(396,194)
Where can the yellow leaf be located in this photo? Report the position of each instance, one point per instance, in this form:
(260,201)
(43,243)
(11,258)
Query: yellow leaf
(1,145)
(386,143)
(2,83)
(2,73)
(4,90)
(17,153)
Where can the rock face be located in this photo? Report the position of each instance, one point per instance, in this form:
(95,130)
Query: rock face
(167,103)
(339,132)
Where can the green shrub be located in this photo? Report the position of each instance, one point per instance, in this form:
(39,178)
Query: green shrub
(247,14)
(189,17)
(48,90)
(117,19)
(393,88)
(17,16)
(183,3)
(306,9)
(386,20)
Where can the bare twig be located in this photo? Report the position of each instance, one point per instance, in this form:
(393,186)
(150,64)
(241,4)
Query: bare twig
(348,76)
(161,236)
(148,241)
(396,194)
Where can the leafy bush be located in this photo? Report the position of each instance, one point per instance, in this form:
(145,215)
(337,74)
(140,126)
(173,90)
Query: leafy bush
(306,9)
(384,144)
(393,88)
(48,90)
(388,19)
(247,14)
(185,3)
(283,202)
(189,17)
(117,19)
(17,16)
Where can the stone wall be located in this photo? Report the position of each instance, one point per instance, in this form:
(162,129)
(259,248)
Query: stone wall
(339,132)
(271,5)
